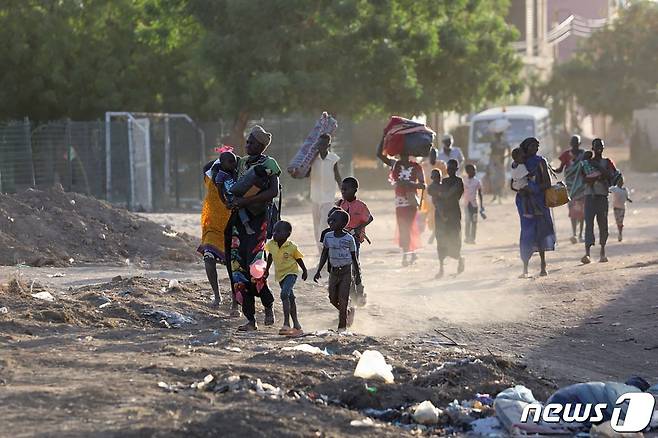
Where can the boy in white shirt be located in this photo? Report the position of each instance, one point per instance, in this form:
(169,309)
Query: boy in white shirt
(472,191)
(619,198)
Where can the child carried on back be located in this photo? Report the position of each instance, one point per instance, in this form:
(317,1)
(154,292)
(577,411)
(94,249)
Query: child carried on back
(230,187)
(520,180)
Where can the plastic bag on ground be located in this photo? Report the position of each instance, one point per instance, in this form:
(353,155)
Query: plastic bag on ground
(46,296)
(489,426)
(373,365)
(307,349)
(519,393)
(426,413)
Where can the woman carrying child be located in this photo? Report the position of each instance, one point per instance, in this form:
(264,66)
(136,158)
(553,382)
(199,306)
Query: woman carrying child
(537,232)
(446,194)
(247,254)
(214,217)
(407,177)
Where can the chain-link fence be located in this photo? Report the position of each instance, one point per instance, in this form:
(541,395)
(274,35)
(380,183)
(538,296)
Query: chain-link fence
(140,161)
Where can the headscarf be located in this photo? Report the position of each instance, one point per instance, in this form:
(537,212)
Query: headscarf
(525,144)
(260,135)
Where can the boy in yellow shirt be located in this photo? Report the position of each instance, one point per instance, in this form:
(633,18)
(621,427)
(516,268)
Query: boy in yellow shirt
(287,260)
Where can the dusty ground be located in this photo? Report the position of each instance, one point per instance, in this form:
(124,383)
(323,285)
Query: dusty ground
(72,368)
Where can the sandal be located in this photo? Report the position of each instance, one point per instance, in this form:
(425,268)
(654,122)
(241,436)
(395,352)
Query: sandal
(285,330)
(295,332)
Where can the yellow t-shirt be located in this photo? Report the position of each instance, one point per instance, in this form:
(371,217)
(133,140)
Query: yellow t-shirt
(284,258)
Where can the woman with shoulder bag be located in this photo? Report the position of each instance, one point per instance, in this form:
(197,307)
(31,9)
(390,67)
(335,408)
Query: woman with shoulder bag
(537,231)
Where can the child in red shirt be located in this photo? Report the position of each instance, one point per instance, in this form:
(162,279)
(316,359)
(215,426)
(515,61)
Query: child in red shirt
(360,218)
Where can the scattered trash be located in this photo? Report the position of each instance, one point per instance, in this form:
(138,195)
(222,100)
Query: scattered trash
(72,201)
(104,305)
(307,349)
(426,413)
(489,426)
(371,389)
(167,387)
(3,310)
(383,414)
(102,236)
(169,319)
(169,233)
(56,275)
(267,390)
(605,430)
(127,261)
(174,285)
(373,365)
(519,392)
(485,399)
(460,413)
(594,392)
(117,278)
(233,349)
(46,296)
(366,422)
(71,260)
(205,385)
(356,354)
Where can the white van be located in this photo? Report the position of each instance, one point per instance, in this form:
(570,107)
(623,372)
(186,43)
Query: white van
(524,121)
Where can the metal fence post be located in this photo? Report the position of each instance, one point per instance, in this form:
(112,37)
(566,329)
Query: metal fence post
(69,157)
(28,146)
(108,159)
(167,159)
(131,165)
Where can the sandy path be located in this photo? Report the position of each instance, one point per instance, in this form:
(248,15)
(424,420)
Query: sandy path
(581,322)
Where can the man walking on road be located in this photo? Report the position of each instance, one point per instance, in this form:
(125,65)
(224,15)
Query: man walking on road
(325,177)
(596,199)
(449,152)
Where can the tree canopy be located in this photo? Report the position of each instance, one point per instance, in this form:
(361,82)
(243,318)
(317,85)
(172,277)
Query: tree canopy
(615,70)
(357,56)
(244,58)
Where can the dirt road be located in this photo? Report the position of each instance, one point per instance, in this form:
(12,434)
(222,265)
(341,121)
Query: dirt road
(72,368)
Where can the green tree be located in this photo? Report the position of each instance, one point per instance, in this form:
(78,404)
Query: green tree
(80,58)
(356,56)
(615,70)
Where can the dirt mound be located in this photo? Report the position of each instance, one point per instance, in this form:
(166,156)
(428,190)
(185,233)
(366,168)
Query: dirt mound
(131,302)
(51,227)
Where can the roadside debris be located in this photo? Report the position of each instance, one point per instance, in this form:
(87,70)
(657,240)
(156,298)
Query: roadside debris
(174,286)
(45,296)
(427,413)
(372,365)
(3,310)
(306,348)
(169,319)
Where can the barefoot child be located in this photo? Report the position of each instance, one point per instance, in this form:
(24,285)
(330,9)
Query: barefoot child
(360,218)
(287,260)
(619,198)
(340,249)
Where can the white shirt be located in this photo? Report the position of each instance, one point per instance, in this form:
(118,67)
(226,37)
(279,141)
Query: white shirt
(471,187)
(455,154)
(519,176)
(323,181)
(619,196)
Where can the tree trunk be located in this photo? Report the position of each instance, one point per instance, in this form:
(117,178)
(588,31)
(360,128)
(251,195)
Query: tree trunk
(236,136)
